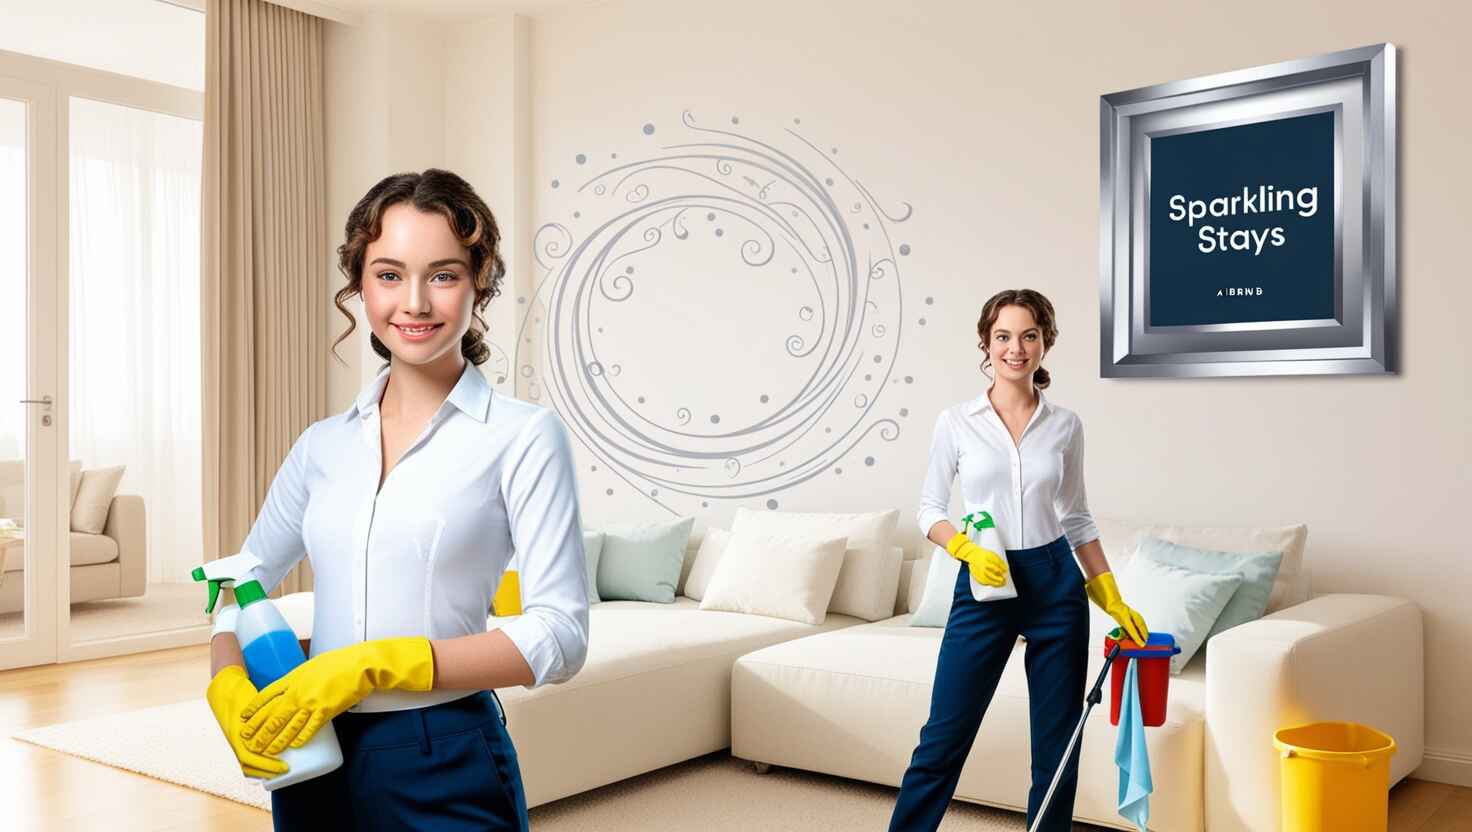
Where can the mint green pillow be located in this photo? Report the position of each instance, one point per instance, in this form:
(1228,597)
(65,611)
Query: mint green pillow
(643,563)
(934,609)
(592,548)
(1258,571)
(1176,601)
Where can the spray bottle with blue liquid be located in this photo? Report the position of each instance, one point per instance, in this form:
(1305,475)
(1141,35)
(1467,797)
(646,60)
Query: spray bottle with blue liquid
(982,531)
(271,650)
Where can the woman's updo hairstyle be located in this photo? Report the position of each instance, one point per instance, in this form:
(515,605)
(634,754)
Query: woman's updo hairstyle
(1042,312)
(438,192)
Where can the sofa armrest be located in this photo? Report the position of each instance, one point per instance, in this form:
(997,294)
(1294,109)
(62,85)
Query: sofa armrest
(1355,658)
(127,524)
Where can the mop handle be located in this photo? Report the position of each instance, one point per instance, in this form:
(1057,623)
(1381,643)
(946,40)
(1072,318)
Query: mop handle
(1094,697)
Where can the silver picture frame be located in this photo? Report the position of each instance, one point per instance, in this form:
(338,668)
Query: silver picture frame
(1358,87)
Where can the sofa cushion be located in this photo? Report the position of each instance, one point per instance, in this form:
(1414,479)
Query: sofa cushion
(1257,569)
(592,550)
(892,649)
(852,702)
(861,527)
(87,550)
(643,563)
(1120,539)
(774,574)
(938,586)
(707,557)
(868,582)
(912,585)
(867,586)
(1180,602)
(94,498)
(655,690)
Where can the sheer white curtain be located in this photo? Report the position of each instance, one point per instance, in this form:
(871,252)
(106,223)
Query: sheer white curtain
(135,312)
(12,280)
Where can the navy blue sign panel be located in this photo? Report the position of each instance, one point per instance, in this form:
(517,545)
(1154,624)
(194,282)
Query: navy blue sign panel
(1242,223)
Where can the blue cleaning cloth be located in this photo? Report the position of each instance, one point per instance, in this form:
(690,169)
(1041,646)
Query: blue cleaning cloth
(1131,755)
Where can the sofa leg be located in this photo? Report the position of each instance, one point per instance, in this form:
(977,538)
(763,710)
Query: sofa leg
(762,768)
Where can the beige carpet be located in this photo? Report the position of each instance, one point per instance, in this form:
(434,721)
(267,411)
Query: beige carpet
(180,743)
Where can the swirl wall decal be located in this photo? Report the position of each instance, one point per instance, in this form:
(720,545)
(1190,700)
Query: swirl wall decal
(685,254)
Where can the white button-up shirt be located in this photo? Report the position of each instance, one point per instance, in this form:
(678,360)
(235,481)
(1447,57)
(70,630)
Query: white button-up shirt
(1034,489)
(490,476)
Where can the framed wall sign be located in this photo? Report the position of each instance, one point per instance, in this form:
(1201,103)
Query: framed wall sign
(1247,221)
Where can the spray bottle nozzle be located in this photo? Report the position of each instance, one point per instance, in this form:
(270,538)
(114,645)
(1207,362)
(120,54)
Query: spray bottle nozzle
(977,520)
(198,575)
(231,570)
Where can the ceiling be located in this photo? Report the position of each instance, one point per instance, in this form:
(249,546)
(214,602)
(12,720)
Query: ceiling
(352,11)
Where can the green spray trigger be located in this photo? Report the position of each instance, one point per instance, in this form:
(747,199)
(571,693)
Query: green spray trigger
(229,570)
(970,521)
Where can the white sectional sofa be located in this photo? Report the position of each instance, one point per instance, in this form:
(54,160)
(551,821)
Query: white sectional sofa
(665,683)
(852,702)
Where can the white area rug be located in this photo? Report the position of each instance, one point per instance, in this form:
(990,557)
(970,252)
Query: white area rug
(180,743)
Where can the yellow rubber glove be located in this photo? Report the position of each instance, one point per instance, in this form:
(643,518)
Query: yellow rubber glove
(293,708)
(228,692)
(1105,592)
(987,567)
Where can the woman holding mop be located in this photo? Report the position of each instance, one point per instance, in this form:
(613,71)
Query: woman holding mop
(1021,459)
(411,503)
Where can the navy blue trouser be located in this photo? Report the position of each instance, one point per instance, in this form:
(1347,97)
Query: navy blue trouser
(1052,610)
(449,766)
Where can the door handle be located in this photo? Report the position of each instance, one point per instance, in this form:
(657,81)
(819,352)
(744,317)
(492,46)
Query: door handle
(46,400)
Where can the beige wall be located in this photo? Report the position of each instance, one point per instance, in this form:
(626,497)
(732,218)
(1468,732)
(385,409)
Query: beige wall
(985,119)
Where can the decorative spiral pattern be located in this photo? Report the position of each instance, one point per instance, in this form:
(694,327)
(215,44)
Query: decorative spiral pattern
(783,206)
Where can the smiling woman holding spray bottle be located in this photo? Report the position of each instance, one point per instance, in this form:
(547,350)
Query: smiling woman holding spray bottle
(1021,460)
(411,503)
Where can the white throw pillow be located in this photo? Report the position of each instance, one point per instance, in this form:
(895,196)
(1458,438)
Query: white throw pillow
(868,581)
(94,498)
(940,588)
(870,576)
(712,546)
(1171,600)
(776,575)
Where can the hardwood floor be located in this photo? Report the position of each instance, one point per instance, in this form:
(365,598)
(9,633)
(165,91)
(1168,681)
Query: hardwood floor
(46,790)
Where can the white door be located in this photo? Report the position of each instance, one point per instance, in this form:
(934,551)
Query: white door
(31,451)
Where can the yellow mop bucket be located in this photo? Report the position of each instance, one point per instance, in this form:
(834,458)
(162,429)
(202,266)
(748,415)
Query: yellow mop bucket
(1336,777)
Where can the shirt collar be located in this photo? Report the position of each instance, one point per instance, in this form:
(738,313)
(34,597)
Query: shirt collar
(471,394)
(983,402)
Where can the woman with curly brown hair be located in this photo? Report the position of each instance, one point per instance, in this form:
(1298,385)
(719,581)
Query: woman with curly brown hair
(1020,458)
(411,503)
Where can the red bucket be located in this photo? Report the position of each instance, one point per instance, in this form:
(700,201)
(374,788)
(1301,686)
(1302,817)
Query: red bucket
(1153,675)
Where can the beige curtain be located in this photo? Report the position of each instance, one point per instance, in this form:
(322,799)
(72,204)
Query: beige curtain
(262,290)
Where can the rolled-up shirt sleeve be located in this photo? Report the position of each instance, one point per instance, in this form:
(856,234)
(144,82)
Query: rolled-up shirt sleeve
(1072,504)
(940,472)
(540,489)
(276,535)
